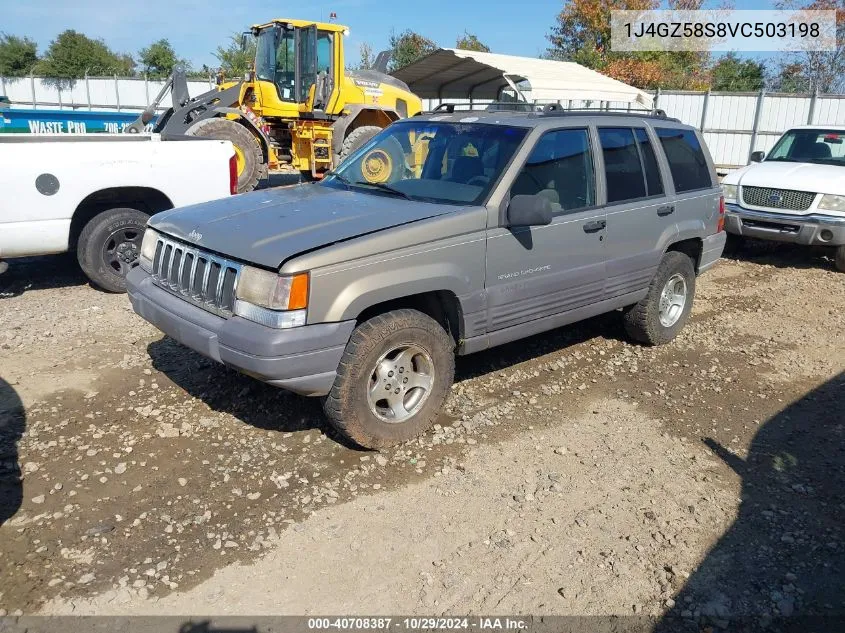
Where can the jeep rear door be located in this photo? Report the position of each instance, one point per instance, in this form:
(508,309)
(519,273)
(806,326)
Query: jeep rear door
(696,192)
(542,271)
(640,216)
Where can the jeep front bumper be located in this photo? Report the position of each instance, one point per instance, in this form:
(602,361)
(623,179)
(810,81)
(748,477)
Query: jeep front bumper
(301,359)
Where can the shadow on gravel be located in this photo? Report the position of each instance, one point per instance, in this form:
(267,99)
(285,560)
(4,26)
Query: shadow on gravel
(779,255)
(607,326)
(780,565)
(12,425)
(249,400)
(40,273)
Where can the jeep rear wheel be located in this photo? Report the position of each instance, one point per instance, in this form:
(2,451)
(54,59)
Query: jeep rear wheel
(664,311)
(392,380)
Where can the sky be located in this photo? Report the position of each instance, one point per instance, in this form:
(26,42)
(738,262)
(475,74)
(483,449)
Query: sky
(197,27)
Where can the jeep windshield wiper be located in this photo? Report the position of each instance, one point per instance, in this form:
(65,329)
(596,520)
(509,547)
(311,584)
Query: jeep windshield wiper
(384,187)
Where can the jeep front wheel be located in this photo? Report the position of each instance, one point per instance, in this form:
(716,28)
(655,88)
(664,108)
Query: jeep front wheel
(392,380)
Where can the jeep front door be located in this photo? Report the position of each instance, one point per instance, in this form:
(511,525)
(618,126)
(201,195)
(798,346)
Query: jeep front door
(537,275)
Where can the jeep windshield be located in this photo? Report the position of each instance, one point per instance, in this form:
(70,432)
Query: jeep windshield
(431,161)
(825,147)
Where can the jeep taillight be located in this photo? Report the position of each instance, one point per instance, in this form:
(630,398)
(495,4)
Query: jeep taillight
(721,225)
(233,174)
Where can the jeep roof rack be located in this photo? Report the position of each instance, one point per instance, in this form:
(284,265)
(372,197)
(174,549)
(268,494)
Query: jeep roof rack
(549,109)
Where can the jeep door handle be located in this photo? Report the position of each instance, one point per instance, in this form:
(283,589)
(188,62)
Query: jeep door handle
(595,226)
(667,210)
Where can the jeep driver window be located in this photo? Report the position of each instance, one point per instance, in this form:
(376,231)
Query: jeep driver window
(623,169)
(686,159)
(561,169)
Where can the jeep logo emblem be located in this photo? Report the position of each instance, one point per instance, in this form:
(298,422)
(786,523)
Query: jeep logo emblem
(195,235)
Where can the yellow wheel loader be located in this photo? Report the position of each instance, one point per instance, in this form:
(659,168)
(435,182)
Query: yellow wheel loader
(298,105)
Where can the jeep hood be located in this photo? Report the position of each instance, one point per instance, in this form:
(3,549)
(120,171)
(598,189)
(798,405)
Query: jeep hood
(267,227)
(785,175)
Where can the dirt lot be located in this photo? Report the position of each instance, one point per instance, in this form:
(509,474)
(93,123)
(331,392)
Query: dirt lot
(573,473)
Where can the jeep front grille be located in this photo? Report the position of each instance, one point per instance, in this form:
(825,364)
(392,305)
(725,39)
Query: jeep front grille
(777,198)
(206,280)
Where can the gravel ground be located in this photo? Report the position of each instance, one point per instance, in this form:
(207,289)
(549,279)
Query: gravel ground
(572,473)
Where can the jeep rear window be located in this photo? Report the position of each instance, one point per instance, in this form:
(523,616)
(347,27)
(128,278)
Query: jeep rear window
(431,161)
(686,159)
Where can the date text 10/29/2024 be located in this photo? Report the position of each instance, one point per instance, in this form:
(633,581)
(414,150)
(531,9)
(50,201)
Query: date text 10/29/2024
(416,623)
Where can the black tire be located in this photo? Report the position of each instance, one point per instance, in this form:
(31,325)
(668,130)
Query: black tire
(642,321)
(356,139)
(347,405)
(733,245)
(839,258)
(110,245)
(245,141)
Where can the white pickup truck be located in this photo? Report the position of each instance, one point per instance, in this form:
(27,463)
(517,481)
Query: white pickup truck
(94,193)
(795,194)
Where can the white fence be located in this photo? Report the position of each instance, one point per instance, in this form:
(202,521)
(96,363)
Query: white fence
(89,93)
(734,124)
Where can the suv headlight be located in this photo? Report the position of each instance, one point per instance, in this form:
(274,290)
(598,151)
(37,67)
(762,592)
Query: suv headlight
(729,191)
(148,249)
(830,202)
(277,301)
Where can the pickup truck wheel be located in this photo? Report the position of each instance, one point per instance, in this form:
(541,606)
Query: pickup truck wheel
(110,245)
(659,317)
(392,379)
(839,259)
(250,157)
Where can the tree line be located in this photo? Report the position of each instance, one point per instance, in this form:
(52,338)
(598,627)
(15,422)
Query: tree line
(73,55)
(580,33)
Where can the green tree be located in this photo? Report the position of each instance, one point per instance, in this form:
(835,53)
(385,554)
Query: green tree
(470,42)
(18,55)
(731,73)
(71,55)
(159,58)
(367,58)
(235,59)
(822,71)
(582,35)
(408,47)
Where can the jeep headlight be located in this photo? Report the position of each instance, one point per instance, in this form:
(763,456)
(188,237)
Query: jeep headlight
(277,301)
(830,202)
(729,192)
(148,249)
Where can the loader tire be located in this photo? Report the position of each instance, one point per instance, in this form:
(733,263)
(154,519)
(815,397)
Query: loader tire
(251,165)
(356,139)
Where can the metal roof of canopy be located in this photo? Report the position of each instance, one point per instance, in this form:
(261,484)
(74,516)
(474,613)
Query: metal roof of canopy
(458,74)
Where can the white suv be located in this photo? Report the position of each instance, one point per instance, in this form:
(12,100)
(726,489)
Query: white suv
(795,194)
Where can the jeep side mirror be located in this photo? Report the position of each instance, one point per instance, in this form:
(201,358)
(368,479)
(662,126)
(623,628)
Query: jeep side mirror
(533,210)
(758,156)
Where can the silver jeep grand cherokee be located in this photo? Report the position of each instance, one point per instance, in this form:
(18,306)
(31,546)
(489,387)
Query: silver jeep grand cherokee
(446,234)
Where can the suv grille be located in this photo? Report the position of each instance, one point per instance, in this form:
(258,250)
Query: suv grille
(198,276)
(777,198)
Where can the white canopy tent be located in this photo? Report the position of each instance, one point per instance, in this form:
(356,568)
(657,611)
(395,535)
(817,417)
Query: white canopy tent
(450,73)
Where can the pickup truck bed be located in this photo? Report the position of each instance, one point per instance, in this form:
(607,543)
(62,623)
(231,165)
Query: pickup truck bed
(94,193)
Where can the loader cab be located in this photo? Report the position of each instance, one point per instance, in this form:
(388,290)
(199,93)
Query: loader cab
(298,67)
